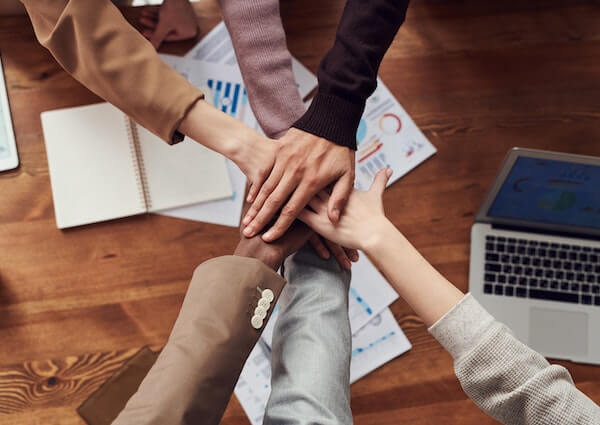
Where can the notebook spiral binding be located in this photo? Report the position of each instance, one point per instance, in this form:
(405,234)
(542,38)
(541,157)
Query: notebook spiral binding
(138,159)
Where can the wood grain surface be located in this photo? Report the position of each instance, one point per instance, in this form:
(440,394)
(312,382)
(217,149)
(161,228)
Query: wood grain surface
(477,77)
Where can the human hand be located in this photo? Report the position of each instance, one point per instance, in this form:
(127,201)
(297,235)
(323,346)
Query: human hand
(363,219)
(252,153)
(325,249)
(304,165)
(273,254)
(174,21)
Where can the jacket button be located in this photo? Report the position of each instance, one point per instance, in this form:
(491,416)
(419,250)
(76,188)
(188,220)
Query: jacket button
(260,312)
(268,295)
(264,303)
(256,322)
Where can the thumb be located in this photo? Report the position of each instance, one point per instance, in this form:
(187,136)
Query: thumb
(339,197)
(160,33)
(380,181)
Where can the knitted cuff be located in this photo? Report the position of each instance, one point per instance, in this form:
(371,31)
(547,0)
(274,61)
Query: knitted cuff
(459,330)
(332,118)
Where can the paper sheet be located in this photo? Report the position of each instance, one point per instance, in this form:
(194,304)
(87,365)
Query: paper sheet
(224,89)
(216,47)
(369,295)
(380,341)
(387,137)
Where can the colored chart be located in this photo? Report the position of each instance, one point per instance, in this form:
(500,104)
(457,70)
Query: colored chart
(359,350)
(361,301)
(230,98)
(387,138)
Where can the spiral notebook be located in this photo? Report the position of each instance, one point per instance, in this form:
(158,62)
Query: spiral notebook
(105,166)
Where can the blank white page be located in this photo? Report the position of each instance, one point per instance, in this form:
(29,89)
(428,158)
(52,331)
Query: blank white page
(181,174)
(92,170)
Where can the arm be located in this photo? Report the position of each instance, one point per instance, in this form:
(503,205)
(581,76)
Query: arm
(507,379)
(92,41)
(308,162)
(312,345)
(348,72)
(504,377)
(194,375)
(259,41)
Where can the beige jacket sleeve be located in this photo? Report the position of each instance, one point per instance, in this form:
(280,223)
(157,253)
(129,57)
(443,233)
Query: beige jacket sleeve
(93,42)
(194,375)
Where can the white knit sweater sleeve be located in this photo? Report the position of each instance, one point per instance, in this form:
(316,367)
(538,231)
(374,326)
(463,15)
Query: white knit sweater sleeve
(504,377)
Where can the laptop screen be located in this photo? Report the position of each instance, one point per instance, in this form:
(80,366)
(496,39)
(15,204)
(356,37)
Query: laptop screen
(550,191)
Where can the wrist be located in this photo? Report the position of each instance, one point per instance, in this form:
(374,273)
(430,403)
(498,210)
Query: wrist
(248,248)
(214,129)
(378,236)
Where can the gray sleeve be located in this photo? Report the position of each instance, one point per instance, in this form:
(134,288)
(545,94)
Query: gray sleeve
(504,377)
(312,345)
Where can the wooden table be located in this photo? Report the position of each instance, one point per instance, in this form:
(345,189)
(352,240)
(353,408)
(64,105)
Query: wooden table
(477,77)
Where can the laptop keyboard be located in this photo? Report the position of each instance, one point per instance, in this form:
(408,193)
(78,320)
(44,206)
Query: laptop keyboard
(541,270)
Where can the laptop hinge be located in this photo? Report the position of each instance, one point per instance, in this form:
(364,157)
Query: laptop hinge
(545,232)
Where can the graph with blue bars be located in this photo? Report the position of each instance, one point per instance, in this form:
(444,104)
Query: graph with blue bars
(230,98)
(378,341)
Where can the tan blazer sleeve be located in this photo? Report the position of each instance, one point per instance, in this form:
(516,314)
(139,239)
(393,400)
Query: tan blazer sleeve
(194,376)
(93,42)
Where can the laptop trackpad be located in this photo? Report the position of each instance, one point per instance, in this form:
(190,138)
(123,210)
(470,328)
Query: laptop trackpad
(561,333)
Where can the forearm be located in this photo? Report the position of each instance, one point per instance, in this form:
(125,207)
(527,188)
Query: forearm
(194,375)
(218,131)
(311,345)
(260,46)
(417,282)
(506,378)
(348,73)
(93,42)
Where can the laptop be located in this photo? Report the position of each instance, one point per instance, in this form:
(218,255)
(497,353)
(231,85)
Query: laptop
(535,252)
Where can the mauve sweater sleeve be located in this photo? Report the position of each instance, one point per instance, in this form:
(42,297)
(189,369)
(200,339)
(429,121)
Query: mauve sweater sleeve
(266,64)
(348,72)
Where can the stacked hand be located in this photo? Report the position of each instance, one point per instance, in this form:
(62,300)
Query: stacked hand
(363,219)
(284,174)
(273,254)
(174,21)
(304,165)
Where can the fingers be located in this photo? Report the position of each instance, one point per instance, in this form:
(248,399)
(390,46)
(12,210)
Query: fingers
(311,219)
(254,187)
(352,254)
(150,12)
(339,254)
(148,22)
(270,207)
(290,211)
(339,197)
(318,205)
(323,195)
(159,35)
(380,181)
(264,190)
(319,247)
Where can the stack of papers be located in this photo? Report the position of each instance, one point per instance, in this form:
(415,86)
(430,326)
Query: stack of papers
(376,339)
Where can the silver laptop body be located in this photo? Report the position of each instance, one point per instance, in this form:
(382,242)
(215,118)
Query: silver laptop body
(535,252)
